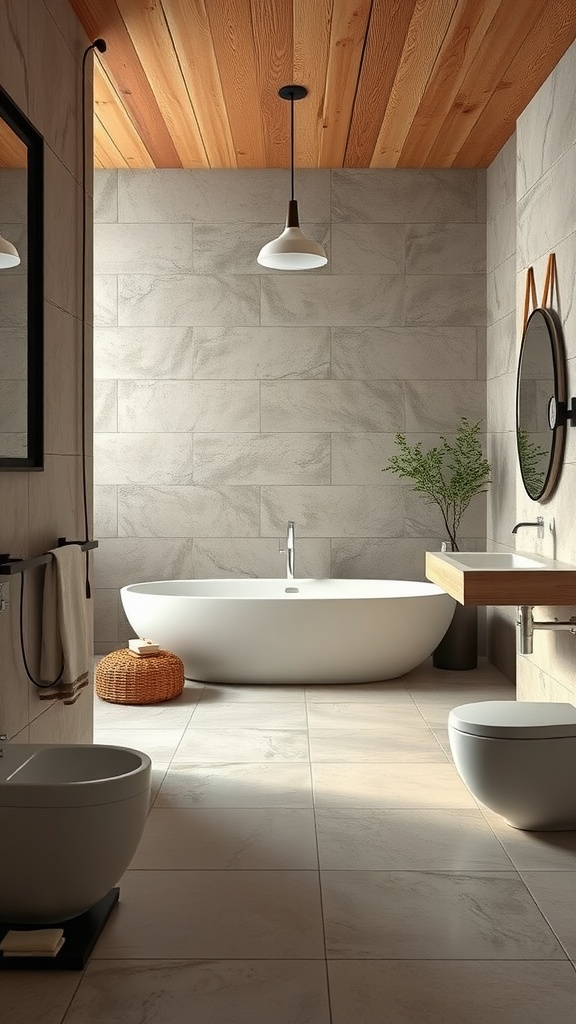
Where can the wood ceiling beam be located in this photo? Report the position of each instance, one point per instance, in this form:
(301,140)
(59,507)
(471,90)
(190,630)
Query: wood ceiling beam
(428,27)
(231,27)
(389,23)
(311,41)
(148,29)
(551,36)
(190,29)
(272,30)
(115,120)
(347,37)
(102,18)
(504,38)
(460,45)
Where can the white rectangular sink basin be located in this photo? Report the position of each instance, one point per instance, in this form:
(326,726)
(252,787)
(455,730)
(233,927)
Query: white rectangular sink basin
(494,560)
(502,577)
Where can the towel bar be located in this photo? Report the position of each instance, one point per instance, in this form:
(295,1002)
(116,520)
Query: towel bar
(11,566)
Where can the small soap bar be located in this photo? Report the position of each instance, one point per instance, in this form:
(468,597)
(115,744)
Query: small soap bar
(142,648)
(36,952)
(37,941)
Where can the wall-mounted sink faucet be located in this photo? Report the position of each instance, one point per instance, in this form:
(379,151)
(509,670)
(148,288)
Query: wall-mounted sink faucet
(539,524)
(289,549)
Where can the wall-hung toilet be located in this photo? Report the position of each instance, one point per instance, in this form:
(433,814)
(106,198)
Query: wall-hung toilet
(71,818)
(519,760)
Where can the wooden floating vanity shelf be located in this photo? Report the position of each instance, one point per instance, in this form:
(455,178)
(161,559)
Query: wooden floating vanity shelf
(541,581)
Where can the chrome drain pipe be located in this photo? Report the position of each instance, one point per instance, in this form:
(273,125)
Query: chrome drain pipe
(526,624)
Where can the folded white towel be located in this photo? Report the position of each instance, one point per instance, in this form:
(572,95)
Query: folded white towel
(64,625)
(35,941)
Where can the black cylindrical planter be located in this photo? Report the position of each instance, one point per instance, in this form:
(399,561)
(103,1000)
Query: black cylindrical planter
(459,648)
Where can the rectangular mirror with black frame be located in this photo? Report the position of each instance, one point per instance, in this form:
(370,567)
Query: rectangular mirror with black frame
(21,290)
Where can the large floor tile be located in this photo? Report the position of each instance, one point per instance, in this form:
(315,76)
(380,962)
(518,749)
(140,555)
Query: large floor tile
(249,715)
(424,915)
(393,743)
(219,745)
(205,915)
(159,744)
(400,786)
(451,992)
(266,784)
(363,715)
(408,840)
(38,996)
(554,894)
(216,992)
(390,692)
(212,838)
(535,851)
(148,716)
(224,693)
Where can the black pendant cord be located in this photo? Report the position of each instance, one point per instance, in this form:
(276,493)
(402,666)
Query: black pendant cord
(100,45)
(292,146)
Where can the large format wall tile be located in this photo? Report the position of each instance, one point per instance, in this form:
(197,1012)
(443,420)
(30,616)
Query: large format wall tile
(123,560)
(446,249)
(105,300)
(501,178)
(399,558)
(261,458)
(411,196)
(143,353)
(106,510)
(120,248)
(259,557)
(360,458)
(404,353)
(233,248)
(446,299)
(547,213)
(367,248)
(433,406)
(256,197)
(105,406)
(334,511)
(188,511)
(105,197)
(143,458)
(341,300)
(547,127)
(501,235)
(332,405)
(262,353)
(186,301)
(184,405)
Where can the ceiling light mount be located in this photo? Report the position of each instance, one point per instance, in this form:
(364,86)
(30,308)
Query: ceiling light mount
(292,250)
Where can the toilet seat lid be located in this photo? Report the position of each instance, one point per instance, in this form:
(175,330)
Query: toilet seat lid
(511,719)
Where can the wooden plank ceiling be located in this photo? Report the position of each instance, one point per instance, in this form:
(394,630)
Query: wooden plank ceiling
(392,83)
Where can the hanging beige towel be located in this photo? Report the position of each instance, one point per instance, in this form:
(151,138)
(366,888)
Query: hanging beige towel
(64,625)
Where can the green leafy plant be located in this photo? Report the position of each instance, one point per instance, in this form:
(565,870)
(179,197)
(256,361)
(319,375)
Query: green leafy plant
(532,458)
(448,475)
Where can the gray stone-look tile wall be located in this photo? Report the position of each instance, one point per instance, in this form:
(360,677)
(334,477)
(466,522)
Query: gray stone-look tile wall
(230,398)
(41,47)
(502,339)
(546,222)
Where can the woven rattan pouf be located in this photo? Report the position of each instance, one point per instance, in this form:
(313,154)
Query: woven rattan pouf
(122,678)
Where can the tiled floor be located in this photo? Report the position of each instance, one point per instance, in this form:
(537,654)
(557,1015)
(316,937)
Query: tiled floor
(311,857)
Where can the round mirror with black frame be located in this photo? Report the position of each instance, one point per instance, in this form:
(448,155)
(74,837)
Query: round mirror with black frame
(541,408)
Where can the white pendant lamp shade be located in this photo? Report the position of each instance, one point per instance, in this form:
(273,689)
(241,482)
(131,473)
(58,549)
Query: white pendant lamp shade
(292,250)
(8,254)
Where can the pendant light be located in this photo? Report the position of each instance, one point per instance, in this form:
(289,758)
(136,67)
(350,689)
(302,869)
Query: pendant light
(8,254)
(292,250)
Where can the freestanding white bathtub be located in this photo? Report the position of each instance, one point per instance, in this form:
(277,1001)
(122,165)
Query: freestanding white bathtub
(291,631)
